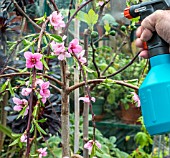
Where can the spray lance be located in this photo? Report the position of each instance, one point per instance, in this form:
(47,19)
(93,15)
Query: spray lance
(154,92)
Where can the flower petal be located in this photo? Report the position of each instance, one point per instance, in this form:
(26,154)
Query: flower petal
(17,108)
(28,55)
(39,65)
(17,101)
(37,56)
(61,57)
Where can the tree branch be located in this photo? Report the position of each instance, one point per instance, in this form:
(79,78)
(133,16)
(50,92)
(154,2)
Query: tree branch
(28,74)
(98,81)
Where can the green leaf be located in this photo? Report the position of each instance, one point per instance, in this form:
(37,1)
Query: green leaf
(26,48)
(10,89)
(93,152)
(16,135)
(22,112)
(55,38)
(142,139)
(79,16)
(26,42)
(40,20)
(111,97)
(87,69)
(31,35)
(32,128)
(45,63)
(23,70)
(107,28)
(16,141)
(35,111)
(91,18)
(50,56)
(112,139)
(45,40)
(40,130)
(98,149)
(7,131)
(4,86)
(20,144)
(42,120)
(12,47)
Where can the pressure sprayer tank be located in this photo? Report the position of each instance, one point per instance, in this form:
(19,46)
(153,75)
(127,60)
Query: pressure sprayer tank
(154,95)
(154,92)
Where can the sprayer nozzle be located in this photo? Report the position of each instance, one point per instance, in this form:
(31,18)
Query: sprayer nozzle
(127,13)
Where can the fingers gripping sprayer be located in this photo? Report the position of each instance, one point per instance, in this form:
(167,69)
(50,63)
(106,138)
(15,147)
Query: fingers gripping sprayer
(154,92)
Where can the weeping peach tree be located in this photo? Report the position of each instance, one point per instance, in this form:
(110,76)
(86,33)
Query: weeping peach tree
(41,47)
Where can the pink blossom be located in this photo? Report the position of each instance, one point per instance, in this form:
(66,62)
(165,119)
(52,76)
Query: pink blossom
(74,46)
(44,91)
(59,50)
(86,99)
(81,58)
(20,104)
(64,55)
(26,91)
(56,20)
(57,47)
(23,138)
(18,101)
(136,99)
(100,3)
(42,152)
(33,60)
(44,99)
(89,145)
(39,82)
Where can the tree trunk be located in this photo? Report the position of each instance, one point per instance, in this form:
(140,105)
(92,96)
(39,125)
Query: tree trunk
(65,133)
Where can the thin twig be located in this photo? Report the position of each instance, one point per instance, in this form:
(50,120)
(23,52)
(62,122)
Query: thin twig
(55,6)
(25,15)
(28,74)
(11,54)
(41,35)
(71,18)
(94,60)
(70,7)
(56,88)
(112,61)
(101,10)
(10,68)
(123,68)
(99,39)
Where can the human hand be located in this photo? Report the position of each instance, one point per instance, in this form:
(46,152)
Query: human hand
(159,22)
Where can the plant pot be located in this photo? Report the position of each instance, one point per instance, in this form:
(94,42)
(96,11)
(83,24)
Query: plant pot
(130,115)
